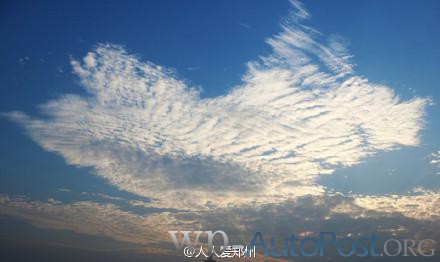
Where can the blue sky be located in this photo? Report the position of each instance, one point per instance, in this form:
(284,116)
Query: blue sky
(208,46)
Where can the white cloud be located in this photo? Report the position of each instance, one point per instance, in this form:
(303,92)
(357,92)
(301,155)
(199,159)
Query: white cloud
(90,60)
(24,60)
(300,112)
(421,204)
(90,218)
(435,158)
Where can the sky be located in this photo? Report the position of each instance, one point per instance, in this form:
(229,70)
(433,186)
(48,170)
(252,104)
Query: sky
(123,120)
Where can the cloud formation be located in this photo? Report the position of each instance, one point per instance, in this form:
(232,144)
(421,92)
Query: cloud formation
(435,158)
(421,204)
(302,216)
(91,218)
(300,112)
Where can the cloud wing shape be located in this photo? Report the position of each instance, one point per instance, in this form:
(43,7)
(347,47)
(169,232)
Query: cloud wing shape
(300,112)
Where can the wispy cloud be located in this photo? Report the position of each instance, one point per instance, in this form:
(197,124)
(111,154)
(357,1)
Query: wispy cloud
(421,204)
(300,112)
(303,216)
(23,60)
(435,158)
(91,218)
